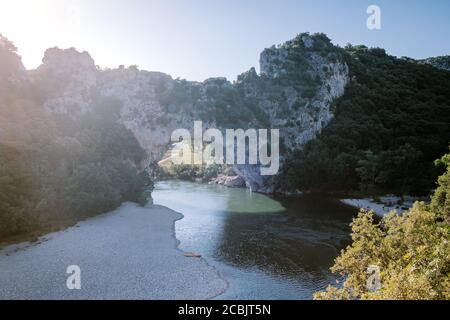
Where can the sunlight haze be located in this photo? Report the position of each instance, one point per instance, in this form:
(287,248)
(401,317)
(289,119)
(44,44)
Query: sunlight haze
(200,39)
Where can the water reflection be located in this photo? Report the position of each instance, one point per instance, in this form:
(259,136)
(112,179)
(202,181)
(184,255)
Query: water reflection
(266,248)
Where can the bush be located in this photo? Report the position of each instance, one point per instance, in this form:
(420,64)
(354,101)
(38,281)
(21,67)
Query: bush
(411,251)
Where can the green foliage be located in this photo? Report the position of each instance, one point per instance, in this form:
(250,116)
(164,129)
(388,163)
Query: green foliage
(442,62)
(188,172)
(56,170)
(411,250)
(389,126)
(298,71)
(82,169)
(219,102)
(239,105)
(441,200)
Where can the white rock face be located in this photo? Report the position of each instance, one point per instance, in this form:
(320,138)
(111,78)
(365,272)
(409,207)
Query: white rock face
(306,118)
(72,83)
(67,77)
(271,61)
(230,181)
(299,118)
(442,62)
(141,111)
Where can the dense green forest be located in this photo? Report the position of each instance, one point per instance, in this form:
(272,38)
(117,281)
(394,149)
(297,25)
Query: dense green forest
(391,124)
(56,170)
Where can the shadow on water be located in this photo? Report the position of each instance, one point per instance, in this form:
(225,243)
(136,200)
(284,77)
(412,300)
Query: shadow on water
(267,248)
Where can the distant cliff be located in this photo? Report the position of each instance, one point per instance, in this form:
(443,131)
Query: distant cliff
(442,62)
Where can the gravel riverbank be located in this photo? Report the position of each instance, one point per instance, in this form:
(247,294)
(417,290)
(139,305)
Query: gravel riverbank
(129,253)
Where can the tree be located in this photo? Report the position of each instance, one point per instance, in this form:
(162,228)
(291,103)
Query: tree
(441,200)
(397,108)
(411,251)
(55,169)
(368,170)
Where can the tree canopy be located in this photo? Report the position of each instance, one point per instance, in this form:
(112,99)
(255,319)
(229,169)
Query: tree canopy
(389,126)
(411,250)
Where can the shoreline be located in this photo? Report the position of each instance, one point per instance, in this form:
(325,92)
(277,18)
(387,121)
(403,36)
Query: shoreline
(178,243)
(129,253)
(382,205)
(34,236)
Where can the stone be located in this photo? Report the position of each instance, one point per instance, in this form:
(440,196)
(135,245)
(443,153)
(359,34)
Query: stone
(75,85)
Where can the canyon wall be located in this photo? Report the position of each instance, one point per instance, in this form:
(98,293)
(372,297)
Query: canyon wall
(294,92)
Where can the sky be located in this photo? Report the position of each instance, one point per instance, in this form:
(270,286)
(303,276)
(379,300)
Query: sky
(198,39)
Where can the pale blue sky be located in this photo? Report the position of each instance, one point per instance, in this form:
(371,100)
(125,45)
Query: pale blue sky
(197,39)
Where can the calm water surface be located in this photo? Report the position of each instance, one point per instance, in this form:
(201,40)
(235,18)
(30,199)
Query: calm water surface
(265,248)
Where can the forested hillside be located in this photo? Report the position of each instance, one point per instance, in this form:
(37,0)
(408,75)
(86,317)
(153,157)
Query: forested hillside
(351,119)
(58,170)
(391,124)
(379,135)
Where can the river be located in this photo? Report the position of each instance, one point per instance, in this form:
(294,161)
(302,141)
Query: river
(265,248)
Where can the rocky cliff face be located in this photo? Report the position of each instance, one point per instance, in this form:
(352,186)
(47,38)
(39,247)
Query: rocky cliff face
(294,93)
(442,62)
(298,82)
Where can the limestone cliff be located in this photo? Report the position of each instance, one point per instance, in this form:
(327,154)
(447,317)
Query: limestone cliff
(294,92)
(442,62)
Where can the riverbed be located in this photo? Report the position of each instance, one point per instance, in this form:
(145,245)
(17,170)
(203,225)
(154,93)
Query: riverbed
(129,253)
(264,247)
(246,246)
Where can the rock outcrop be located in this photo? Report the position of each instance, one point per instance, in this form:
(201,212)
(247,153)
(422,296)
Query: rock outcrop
(442,62)
(294,92)
(230,181)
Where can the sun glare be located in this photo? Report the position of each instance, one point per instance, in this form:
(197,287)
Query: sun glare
(36,25)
